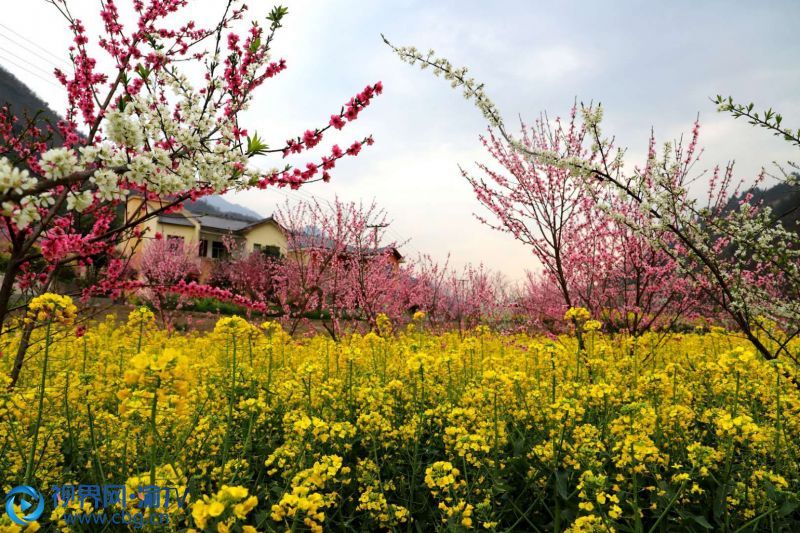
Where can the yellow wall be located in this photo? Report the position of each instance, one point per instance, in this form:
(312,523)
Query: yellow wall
(189,234)
(149,228)
(266,234)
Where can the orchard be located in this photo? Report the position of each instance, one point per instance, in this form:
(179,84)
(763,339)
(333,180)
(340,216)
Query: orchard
(643,375)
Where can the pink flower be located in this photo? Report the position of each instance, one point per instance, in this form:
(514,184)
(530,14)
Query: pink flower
(311,138)
(337,122)
(354,148)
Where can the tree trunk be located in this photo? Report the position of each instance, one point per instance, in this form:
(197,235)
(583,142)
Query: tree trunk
(22,349)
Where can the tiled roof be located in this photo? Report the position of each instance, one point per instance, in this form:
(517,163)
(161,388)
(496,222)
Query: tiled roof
(176,219)
(212,222)
(309,239)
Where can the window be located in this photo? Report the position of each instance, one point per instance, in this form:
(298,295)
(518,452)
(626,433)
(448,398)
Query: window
(267,249)
(203,249)
(271,251)
(218,250)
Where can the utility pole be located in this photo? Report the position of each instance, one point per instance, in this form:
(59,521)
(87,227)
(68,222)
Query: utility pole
(375,228)
(460,303)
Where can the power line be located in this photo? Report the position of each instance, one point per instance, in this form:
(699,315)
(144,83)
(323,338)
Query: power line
(30,64)
(21,67)
(43,59)
(375,228)
(34,43)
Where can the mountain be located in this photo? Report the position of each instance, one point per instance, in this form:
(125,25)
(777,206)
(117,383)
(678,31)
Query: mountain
(219,206)
(783,199)
(23,101)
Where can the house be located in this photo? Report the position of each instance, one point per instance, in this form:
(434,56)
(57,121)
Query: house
(207,232)
(305,243)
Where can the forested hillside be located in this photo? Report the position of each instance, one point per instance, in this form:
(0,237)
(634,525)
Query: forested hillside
(23,101)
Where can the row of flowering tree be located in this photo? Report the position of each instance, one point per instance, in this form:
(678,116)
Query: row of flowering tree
(340,270)
(155,108)
(339,266)
(343,271)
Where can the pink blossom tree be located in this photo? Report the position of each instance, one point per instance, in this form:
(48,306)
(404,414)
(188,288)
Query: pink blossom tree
(339,266)
(537,203)
(593,258)
(540,303)
(163,121)
(429,288)
(474,297)
(164,263)
(253,274)
(459,298)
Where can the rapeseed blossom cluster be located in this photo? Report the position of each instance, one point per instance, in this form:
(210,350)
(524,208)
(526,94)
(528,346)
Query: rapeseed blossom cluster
(52,307)
(406,428)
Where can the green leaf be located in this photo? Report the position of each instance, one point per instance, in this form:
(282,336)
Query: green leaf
(719,503)
(123,102)
(255,146)
(772,493)
(787,508)
(143,71)
(700,519)
(561,484)
(275,16)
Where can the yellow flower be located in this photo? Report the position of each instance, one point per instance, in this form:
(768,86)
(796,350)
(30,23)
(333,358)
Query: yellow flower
(241,509)
(577,315)
(215,509)
(234,493)
(200,513)
(231,325)
(592,325)
(52,307)
(586,506)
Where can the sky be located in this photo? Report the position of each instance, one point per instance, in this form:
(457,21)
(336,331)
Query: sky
(651,65)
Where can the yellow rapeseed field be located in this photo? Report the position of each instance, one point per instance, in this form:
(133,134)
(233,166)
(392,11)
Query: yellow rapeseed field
(405,430)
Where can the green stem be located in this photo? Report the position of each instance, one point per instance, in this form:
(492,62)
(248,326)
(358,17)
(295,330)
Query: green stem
(95,457)
(40,409)
(153,447)
(231,394)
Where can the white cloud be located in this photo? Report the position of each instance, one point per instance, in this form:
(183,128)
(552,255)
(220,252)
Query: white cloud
(554,64)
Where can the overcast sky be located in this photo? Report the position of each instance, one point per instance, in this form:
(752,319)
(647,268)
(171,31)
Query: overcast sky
(651,64)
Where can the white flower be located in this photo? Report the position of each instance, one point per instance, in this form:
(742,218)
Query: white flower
(12,178)
(140,169)
(24,215)
(58,163)
(89,154)
(79,201)
(107,184)
(122,130)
